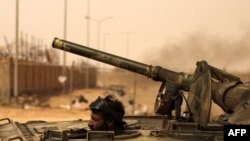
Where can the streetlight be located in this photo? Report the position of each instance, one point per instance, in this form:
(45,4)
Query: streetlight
(17,53)
(106,34)
(128,34)
(104,49)
(88,29)
(98,30)
(64,36)
(98,27)
(99,22)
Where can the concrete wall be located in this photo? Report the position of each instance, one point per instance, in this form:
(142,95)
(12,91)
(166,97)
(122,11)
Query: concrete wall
(40,78)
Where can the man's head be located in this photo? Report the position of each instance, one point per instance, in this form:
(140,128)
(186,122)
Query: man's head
(106,114)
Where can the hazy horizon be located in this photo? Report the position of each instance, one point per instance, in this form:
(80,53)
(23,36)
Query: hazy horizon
(173,34)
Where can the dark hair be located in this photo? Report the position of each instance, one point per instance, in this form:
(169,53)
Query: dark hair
(117,106)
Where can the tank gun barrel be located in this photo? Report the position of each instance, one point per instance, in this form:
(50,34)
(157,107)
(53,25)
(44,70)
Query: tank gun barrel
(156,73)
(206,84)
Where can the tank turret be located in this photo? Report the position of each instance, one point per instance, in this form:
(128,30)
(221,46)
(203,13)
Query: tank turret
(206,84)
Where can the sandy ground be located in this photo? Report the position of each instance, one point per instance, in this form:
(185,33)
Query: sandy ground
(56,108)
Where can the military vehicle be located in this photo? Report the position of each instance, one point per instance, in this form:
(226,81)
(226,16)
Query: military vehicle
(207,84)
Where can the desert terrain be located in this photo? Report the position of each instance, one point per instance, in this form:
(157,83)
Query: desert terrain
(57,107)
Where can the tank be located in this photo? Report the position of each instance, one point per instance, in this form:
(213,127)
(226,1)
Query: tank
(206,85)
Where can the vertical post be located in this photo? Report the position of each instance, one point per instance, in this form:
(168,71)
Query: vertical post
(134,80)
(127,43)
(65,37)
(71,85)
(88,22)
(88,31)
(134,92)
(26,46)
(104,68)
(98,41)
(98,30)
(16,57)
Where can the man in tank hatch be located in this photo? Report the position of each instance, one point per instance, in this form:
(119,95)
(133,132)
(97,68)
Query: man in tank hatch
(107,115)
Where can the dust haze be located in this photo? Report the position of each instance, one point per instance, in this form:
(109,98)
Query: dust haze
(230,54)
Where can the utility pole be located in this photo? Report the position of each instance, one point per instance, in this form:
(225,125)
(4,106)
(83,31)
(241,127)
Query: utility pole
(128,34)
(16,57)
(99,22)
(65,37)
(104,68)
(88,35)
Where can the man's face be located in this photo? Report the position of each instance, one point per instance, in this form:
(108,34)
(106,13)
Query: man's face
(96,122)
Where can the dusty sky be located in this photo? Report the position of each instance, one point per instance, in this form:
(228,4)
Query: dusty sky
(177,32)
